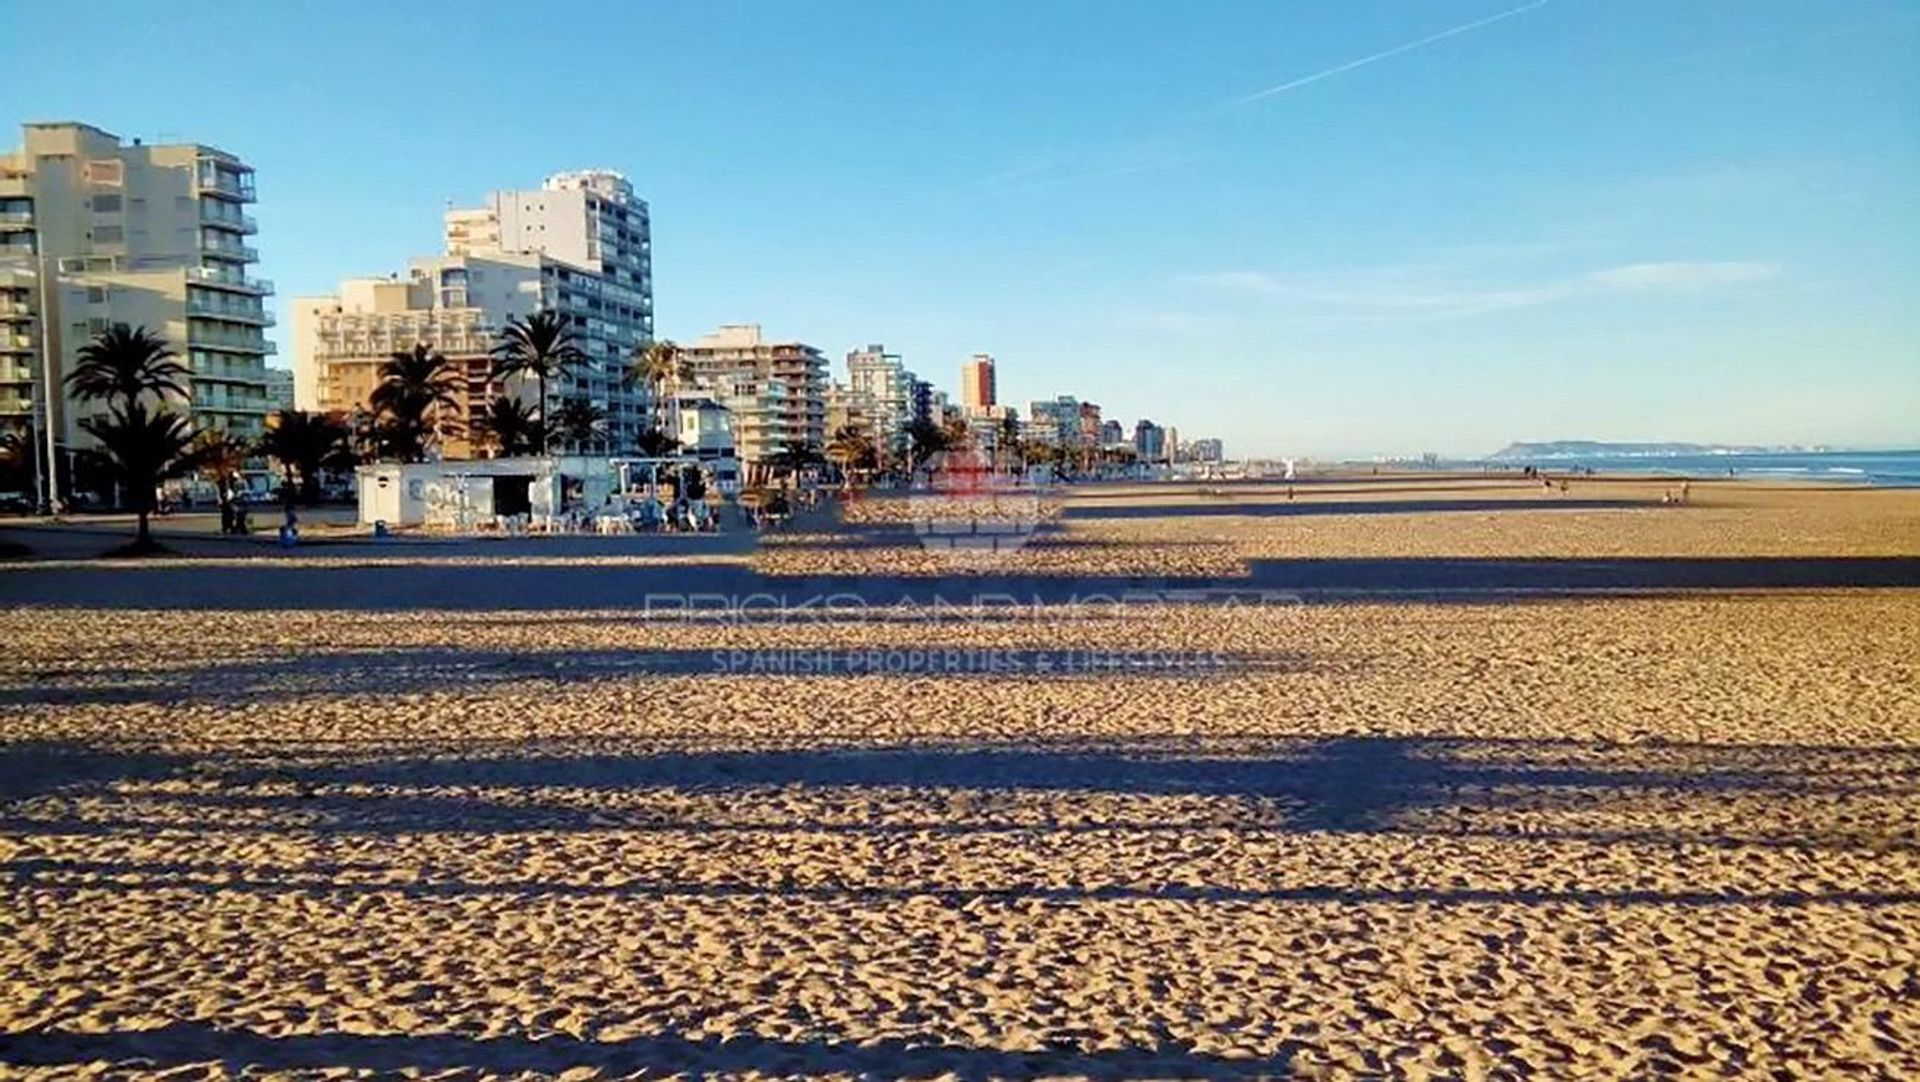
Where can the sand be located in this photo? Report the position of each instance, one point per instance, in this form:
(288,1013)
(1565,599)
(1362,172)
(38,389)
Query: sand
(1669,833)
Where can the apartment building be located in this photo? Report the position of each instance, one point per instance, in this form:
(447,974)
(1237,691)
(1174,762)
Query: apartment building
(96,232)
(848,408)
(340,341)
(977,389)
(19,346)
(595,237)
(279,389)
(775,392)
(882,379)
(1054,421)
(987,427)
(580,245)
(1149,441)
(1089,431)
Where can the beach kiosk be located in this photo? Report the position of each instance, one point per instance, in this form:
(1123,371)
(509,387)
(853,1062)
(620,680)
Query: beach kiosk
(470,496)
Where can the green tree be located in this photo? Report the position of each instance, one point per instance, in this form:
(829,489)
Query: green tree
(542,346)
(509,427)
(18,458)
(654,443)
(580,424)
(924,440)
(851,448)
(1006,445)
(121,364)
(659,365)
(417,390)
(219,457)
(143,449)
(305,444)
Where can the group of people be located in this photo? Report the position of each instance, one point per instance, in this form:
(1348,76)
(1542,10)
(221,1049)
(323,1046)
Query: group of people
(684,514)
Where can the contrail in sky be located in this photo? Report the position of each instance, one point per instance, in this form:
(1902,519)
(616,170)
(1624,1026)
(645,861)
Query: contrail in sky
(1393,52)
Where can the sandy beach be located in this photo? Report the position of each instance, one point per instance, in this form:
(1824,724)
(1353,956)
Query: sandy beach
(1446,778)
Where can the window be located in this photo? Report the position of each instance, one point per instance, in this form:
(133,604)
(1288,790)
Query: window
(108,234)
(106,204)
(96,294)
(109,172)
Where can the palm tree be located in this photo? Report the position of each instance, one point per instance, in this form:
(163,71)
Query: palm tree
(542,346)
(658,365)
(654,443)
(305,444)
(17,458)
(143,449)
(790,460)
(220,456)
(579,423)
(122,363)
(415,388)
(924,440)
(1007,441)
(851,449)
(508,426)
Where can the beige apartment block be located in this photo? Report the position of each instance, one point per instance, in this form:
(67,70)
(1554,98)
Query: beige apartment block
(341,341)
(19,347)
(96,232)
(775,392)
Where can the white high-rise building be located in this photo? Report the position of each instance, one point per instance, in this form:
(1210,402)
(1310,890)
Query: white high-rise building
(580,245)
(597,239)
(883,381)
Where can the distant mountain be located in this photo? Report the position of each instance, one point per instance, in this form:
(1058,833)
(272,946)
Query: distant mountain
(1602,449)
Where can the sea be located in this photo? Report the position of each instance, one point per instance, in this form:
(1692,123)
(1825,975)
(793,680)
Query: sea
(1886,469)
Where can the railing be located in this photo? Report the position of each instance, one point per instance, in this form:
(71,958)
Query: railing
(16,217)
(228,280)
(226,181)
(242,252)
(243,223)
(259,317)
(200,336)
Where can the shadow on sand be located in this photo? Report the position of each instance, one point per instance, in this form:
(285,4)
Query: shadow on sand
(1293,786)
(267,585)
(394,670)
(190,1042)
(1832,797)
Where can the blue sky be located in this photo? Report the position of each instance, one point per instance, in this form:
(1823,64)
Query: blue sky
(1332,227)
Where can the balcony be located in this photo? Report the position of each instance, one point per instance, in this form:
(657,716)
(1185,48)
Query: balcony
(259,318)
(222,179)
(16,219)
(201,335)
(220,219)
(220,248)
(208,276)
